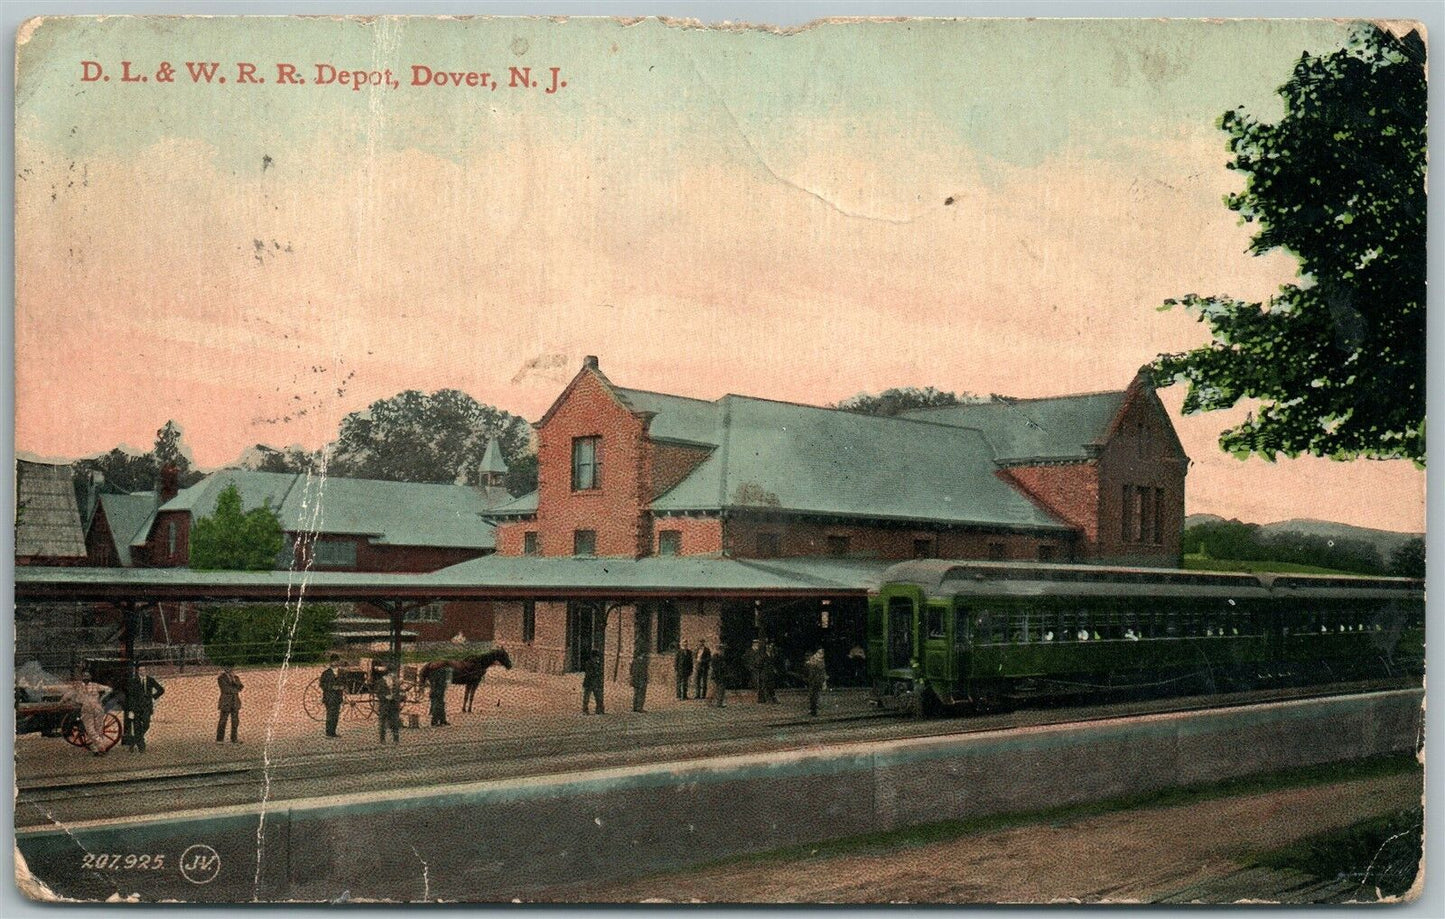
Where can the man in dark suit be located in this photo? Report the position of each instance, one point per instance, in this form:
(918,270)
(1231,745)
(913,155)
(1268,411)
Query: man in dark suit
(141,691)
(331,694)
(438,681)
(592,680)
(229,704)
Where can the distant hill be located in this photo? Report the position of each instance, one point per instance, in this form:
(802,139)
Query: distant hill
(1386,541)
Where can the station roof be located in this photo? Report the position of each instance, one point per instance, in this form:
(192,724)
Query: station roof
(787,458)
(1053,428)
(493,577)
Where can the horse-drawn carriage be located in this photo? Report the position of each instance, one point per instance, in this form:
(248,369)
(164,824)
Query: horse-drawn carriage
(358,684)
(46,706)
(358,691)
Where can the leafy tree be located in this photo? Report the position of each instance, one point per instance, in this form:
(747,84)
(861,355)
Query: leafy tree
(259,633)
(522,474)
(1408,559)
(233,540)
(292,459)
(1337,360)
(169,450)
(126,472)
(898,400)
(416,437)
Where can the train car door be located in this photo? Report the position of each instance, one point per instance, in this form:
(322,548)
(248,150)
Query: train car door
(899,638)
(877,638)
(937,656)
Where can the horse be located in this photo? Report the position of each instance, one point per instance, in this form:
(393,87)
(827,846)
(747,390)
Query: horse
(469,672)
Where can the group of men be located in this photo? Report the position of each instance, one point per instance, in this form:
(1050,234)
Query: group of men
(389,694)
(700,671)
(691,669)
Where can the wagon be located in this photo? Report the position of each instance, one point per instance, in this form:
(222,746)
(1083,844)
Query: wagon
(358,694)
(40,709)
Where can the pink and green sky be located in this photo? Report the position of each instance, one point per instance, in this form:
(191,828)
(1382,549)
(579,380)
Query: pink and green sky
(707,211)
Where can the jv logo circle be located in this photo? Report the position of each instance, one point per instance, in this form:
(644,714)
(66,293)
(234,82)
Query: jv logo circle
(200,864)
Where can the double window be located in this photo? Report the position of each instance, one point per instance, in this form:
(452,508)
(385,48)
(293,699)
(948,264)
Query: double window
(334,553)
(586,463)
(431,612)
(838,546)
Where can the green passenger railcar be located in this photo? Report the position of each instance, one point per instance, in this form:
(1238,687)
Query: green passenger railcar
(951,633)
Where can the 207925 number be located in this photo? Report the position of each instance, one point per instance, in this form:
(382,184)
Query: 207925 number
(110,861)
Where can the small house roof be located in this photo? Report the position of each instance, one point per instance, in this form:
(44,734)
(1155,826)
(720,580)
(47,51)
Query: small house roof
(129,518)
(48,520)
(390,513)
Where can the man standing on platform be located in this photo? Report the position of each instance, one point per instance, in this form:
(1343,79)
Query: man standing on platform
(438,681)
(229,704)
(592,680)
(638,674)
(816,674)
(704,664)
(388,705)
(141,693)
(331,694)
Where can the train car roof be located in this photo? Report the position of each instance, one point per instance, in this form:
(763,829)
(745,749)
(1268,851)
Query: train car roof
(938,577)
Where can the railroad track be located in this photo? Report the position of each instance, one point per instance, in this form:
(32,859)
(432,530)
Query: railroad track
(548,749)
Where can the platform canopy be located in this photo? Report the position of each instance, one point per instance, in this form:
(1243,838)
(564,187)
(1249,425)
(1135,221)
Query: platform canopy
(489,578)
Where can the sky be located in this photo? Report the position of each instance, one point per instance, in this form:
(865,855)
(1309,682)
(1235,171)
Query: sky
(995,206)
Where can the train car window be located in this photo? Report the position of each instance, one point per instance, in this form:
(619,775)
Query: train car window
(934,616)
(1020,624)
(998,627)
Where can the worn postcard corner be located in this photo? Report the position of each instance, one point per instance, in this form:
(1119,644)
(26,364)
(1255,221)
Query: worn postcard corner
(581,460)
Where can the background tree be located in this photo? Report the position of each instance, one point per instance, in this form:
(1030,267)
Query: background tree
(262,633)
(416,437)
(125,471)
(1337,360)
(235,540)
(293,459)
(169,450)
(1408,560)
(900,399)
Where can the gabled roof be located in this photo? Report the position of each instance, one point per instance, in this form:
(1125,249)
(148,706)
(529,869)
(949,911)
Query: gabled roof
(801,459)
(520,506)
(1055,428)
(390,513)
(48,519)
(676,417)
(129,518)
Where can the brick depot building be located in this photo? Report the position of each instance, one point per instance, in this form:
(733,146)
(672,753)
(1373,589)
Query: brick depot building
(815,493)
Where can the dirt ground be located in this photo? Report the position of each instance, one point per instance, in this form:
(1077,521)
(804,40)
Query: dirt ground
(274,722)
(1129,856)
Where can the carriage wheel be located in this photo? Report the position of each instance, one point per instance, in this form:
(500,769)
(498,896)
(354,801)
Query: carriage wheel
(73,731)
(110,733)
(360,708)
(311,700)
